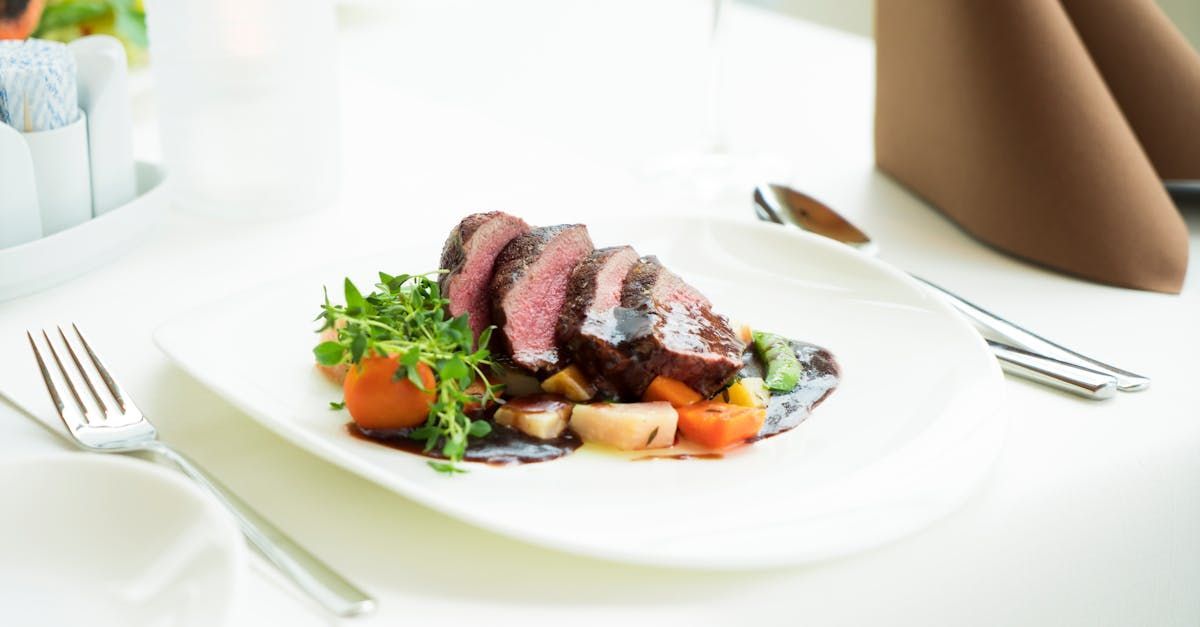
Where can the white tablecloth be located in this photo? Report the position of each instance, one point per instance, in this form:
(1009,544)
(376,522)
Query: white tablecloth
(548,109)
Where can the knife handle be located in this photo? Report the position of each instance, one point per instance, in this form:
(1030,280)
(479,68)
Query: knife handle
(1054,373)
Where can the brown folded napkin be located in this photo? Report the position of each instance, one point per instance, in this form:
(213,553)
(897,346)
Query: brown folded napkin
(1045,128)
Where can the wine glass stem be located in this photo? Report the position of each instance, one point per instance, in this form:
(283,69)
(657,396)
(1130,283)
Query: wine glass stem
(717,141)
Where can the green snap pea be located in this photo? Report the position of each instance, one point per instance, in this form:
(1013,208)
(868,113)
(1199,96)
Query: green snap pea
(783,369)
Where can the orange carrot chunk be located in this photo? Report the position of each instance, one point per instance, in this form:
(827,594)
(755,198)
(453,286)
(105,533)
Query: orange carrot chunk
(377,400)
(718,425)
(677,393)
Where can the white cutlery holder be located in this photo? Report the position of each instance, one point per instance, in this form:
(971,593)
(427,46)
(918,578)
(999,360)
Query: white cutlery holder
(68,175)
(73,198)
(103,88)
(61,173)
(20,219)
(44,262)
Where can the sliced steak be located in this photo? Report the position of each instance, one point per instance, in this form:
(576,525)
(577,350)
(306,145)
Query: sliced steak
(587,329)
(660,326)
(684,340)
(529,285)
(469,254)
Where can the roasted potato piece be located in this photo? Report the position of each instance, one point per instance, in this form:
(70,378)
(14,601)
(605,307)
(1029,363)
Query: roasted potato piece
(627,426)
(743,331)
(571,383)
(542,416)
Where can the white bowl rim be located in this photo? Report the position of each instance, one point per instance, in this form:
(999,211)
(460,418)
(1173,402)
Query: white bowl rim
(219,518)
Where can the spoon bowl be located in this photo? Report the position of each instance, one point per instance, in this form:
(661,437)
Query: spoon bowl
(780,204)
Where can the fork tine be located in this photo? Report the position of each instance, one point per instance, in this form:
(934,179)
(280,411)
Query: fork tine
(67,377)
(58,403)
(83,373)
(114,387)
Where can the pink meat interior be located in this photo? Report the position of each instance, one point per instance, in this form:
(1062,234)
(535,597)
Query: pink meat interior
(468,290)
(533,306)
(671,289)
(610,278)
(686,324)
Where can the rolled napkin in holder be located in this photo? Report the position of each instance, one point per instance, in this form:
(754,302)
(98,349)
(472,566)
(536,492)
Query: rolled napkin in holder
(37,85)
(1038,125)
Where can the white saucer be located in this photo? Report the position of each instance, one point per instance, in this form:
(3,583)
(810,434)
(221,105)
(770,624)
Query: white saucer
(103,540)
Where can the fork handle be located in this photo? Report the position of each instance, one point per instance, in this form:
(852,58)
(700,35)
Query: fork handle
(315,578)
(1014,335)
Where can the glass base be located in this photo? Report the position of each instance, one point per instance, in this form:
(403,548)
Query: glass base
(713,180)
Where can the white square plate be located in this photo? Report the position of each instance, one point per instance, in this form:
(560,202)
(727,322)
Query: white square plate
(910,431)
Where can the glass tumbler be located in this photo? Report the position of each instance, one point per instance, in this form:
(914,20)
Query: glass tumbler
(247,104)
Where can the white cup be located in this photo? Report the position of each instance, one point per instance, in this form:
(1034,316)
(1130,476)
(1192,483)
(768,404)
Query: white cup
(247,103)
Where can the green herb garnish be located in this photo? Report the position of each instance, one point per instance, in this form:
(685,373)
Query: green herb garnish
(337,405)
(406,317)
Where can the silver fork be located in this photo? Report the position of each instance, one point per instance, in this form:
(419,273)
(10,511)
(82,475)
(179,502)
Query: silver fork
(119,427)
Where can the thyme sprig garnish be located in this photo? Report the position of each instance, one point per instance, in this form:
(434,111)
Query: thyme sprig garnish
(406,317)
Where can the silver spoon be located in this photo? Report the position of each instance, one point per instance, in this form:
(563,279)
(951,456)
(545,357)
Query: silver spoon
(1021,353)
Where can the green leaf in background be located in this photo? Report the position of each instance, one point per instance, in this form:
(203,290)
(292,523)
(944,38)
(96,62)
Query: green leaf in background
(67,13)
(130,25)
(67,20)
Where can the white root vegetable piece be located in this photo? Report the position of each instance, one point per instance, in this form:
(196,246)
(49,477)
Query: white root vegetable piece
(743,330)
(627,426)
(541,416)
(571,383)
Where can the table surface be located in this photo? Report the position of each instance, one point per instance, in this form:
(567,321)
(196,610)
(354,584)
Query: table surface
(546,108)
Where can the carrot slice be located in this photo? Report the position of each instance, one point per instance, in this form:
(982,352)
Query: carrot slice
(677,393)
(718,425)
